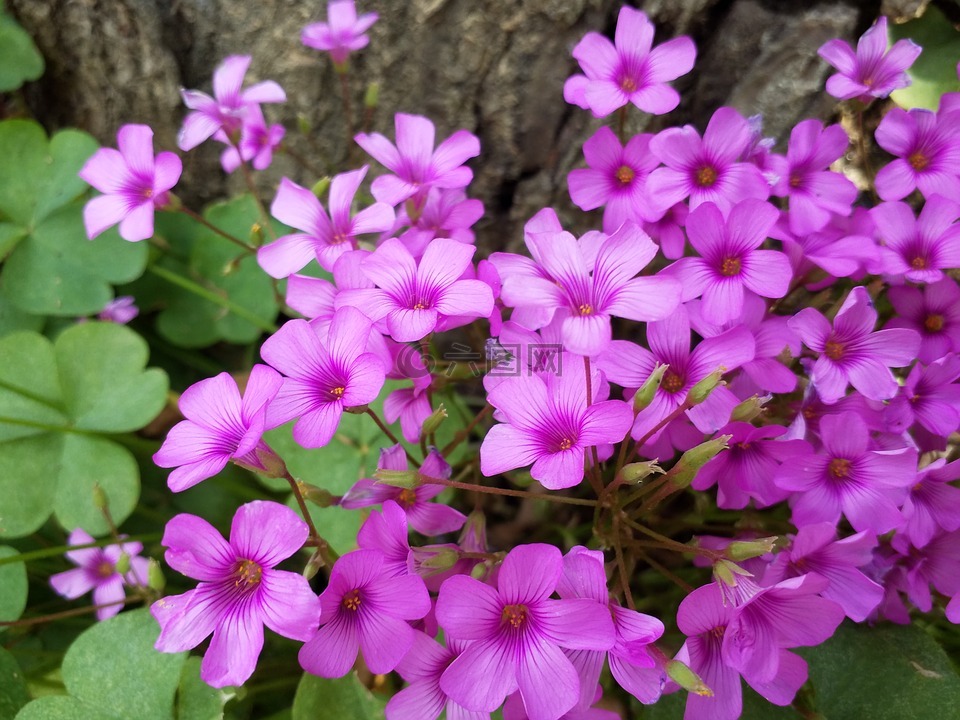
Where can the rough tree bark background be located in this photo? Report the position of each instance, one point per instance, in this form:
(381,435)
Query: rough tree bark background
(495,67)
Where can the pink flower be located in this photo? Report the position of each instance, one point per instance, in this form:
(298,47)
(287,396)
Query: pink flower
(257,142)
(323,237)
(627,70)
(365,608)
(415,164)
(240,590)
(228,108)
(97,570)
(120,310)
(133,183)
(920,248)
(871,71)
(933,312)
(927,148)
(343,32)
(219,427)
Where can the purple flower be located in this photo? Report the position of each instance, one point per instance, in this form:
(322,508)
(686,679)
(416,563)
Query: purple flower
(325,372)
(866,486)
(343,32)
(932,311)
(927,149)
(445,214)
(240,589)
(919,249)
(415,165)
(930,397)
(667,232)
(731,261)
(933,503)
(816,549)
(425,517)
(97,570)
(708,169)
(851,353)
(516,633)
(417,297)
(133,183)
(257,142)
(583,301)
(219,427)
(228,108)
(548,424)
(871,72)
(120,310)
(616,178)
(815,192)
(364,608)
(322,237)
(628,70)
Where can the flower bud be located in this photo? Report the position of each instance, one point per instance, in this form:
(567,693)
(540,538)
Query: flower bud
(123,564)
(635,472)
(433,559)
(320,187)
(256,234)
(646,393)
(689,464)
(726,572)
(746,549)
(687,678)
(304,126)
(313,565)
(100,498)
(155,579)
(432,423)
(317,495)
(371,98)
(173,203)
(701,391)
(473,536)
(749,408)
(408,479)
(273,465)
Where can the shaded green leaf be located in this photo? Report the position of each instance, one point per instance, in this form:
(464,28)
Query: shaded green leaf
(935,71)
(61,707)
(322,699)
(13,598)
(13,687)
(195,699)
(21,59)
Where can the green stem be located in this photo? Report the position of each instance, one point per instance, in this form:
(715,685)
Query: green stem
(504,491)
(61,549)
(216,299)
(197,217)
(393,438)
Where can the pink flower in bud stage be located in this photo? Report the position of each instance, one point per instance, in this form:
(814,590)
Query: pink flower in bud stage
(97,570)
(219,427)
(228,108)
(871,71)
(240,590)
(628,70)
(133,182)
(364,608)
(516,633)
(343,32)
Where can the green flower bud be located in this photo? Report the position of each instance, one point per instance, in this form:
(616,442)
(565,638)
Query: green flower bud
(432,423)
(371,97)
(635,472)
(155,579)
(320,187)
(645,394)
(726,572)
(746,549)
(100,497)
(123,564)
(748,409)
(701,391)
(408,479)
(689,464)
(687,678)
(317,495)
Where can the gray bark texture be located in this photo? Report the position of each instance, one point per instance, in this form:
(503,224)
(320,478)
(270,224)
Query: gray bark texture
(494,67)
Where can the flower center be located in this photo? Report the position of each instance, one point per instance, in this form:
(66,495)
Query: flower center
(730,266)
(585,309)
(706,176)
(628,84)
(514,616)
(625,175)
(839,468)
(247,574)
(337,392)
(420,304)
(105,569)
(834,350)
(933,323)
(918,263)
(338,239)
(565,444)
(351,601)
(918,161)
(795,180)
(148,193)
(407,498)
(672,382)
(719,631)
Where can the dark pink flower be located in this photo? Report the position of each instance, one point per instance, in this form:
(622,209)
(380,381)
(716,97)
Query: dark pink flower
(343,32)
(919,248)
(933,312)
(871,71)
(120,310)
(445,214)
(628,70)
(927,150)
(933,504)
(364,608)
(257,142)
(240,590)
(133,182)
(929,397)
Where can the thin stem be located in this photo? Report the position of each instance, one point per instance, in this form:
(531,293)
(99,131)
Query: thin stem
(61,549)
(389,433)
(301,161)
(671,544)
(210,226)
(68,613)
(864,151)
(679,582)
(465,433)
(215,298)
(621,565)
(316,540)
(680,410)
(504,491)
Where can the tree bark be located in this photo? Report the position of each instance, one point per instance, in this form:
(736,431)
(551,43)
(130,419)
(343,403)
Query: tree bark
(495,67)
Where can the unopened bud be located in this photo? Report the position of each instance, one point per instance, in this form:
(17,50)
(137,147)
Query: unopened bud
(746,549)
(726,572)
(273,465)
(432,559)
(320,187)
(473,537)
(304,125)
(173,203)
(317,495)
(256,234)
(687,678)
(435,420)
(231,267)
(479,571)
(122,565)
(749,408)
(701,391)
(371,97)
(155,579)
(646,393)
(100,497)
(407,479)
(689,464)
(313,566)
(635,472)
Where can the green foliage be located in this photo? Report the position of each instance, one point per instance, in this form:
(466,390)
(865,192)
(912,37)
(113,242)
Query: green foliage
(243,305)
(671,707)
(13,687)
(195,699)
(50,267)
(935,71)
(112,672)
(21,59)
(56,402)
(886,672)
(13,591)
(321,699)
